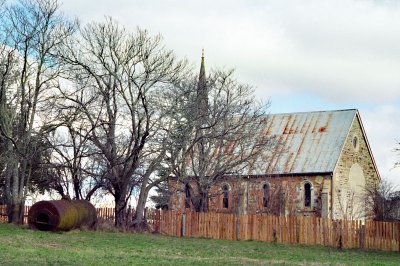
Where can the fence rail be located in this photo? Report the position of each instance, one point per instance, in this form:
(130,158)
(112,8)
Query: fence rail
(287,230)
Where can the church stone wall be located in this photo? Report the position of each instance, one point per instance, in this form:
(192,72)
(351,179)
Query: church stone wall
(355,170)
(246,195)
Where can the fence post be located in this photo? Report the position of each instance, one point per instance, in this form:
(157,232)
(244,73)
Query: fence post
(237,218)
(183,224)
(362,236)
(157,221)
(398,235)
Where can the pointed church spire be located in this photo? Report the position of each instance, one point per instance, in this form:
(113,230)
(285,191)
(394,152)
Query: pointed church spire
(202,75)
(202,92)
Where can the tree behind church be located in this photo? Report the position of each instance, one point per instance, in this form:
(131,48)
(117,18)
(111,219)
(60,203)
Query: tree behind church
(217,133)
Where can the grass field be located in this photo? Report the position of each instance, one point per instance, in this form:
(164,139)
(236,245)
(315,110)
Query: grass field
(20,246)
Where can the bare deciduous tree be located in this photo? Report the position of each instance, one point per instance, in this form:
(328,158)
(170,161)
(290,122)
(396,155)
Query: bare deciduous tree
(30,32)
(218,133)
(397,150)
(382,201)
(351,204)
(116,75)
(72,162)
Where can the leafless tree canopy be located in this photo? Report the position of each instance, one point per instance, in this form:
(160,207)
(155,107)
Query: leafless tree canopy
(216,137)
(101,108)
(116,78)
(397,150)
(31,30)
(384,201)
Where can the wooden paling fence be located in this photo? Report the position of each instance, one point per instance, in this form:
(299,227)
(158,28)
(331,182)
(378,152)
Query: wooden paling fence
(102,213)
(287,230)
(3,214)
(105,213)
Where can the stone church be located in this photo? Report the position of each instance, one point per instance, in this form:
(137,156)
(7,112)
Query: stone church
(320,168)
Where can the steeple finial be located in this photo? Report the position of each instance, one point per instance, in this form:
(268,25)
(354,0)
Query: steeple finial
(202,68)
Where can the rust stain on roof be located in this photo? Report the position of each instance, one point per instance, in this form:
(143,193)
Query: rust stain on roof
(309,142)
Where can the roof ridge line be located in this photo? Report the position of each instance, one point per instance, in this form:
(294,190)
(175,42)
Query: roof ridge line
(321,111)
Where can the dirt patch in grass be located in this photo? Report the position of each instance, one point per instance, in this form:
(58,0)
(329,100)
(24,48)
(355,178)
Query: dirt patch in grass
(49,245)
(6,241)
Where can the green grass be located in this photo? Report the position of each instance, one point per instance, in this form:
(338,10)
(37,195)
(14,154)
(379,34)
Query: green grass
(20,246)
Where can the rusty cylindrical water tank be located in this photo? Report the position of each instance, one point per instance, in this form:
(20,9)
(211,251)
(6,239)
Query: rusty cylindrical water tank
(61,215)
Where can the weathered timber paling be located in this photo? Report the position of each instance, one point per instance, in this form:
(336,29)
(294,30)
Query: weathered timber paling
(286,230)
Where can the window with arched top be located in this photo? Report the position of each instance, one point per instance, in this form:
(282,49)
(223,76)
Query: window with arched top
(356,143)
(265,195)
(307,195)
(225,196)
(187,196)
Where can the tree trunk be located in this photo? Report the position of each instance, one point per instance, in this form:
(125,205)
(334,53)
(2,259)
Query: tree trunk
(8,177)
(16,211)
(120,208)
(204,202)
(14,188)
(14,206)
(77,187)
(141,205)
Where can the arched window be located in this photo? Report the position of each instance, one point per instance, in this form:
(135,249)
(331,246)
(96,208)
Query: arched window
(225,196)
(265,195)
(307,195)
(187,196)
(355,142)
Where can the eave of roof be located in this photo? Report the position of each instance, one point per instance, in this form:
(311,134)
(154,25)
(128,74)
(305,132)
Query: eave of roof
(288,174)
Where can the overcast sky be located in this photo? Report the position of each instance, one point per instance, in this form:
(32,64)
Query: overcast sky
(302,55)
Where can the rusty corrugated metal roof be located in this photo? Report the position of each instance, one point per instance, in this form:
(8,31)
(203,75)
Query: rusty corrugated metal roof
(310,142)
